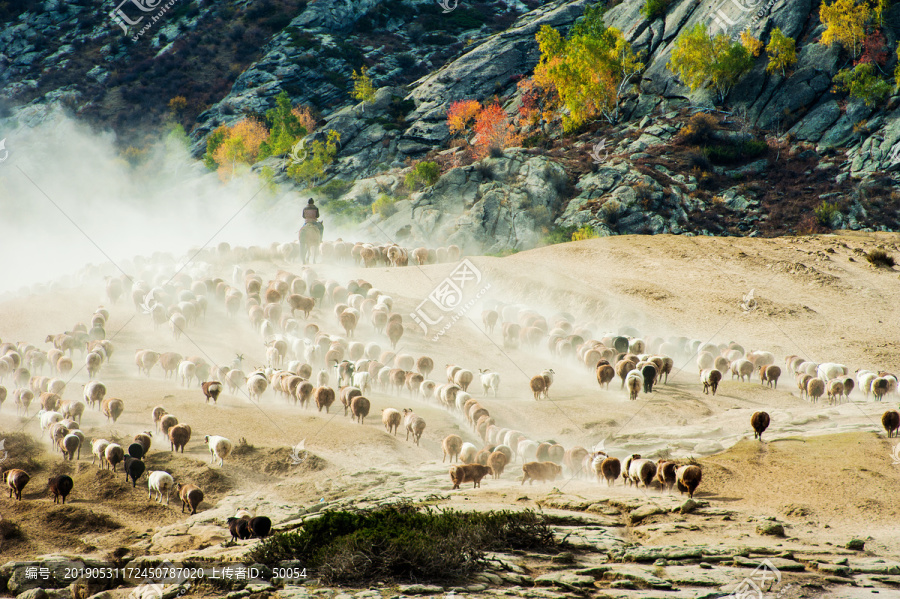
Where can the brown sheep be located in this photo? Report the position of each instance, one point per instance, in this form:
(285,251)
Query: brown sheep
(302,303)
(760,422)
(540,471)
(489,318)
(190,496)
(394,333)
(347,395)
(112,408)
(72,409)
(815,388)
(391,419)
(424,365)
(451,446)
(158,413)
(349,320)
(359,408)
(711,379)
(610,469)
(144,440)
(497,462)
(60,486)
(769,374)
(167,422)
(688,479)
(573,460)
(16,480)
(835,390)
(623,367)
(538,386)
(324,397)
(468,473)
(50,401)
(211,390)
(605,374)
(414,424)
(179,435)
(665,474)
(303,392)
(891,422)
(463,378)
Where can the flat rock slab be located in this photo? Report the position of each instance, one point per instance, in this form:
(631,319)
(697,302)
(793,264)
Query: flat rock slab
(777,562)
(834,569)
(651,554)
(564,580)
(420,589)
(638,575)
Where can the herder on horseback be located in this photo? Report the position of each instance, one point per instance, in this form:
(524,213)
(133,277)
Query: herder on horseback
(311,233)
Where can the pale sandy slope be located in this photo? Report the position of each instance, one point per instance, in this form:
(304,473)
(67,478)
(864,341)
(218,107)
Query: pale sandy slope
(812,303)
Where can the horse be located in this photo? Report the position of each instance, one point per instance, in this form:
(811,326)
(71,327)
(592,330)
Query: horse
(310,238)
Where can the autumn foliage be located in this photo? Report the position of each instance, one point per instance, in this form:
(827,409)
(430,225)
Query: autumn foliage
(493,128)
(239,146)
(462,114)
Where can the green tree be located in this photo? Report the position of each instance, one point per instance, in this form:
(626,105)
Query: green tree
(700,60)
(654,8)
(862,82)
(284,128)
(589,70)
(782,52)
(213,142)
(312,168)
(845,23)
(363,90)
(424,173)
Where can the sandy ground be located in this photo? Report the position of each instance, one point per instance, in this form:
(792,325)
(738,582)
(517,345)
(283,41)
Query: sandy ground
(825,470)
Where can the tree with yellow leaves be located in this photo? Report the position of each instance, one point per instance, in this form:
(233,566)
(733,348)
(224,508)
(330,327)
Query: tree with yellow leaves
(845,22)
(363,90)
(701,60)
(782,52)
(239,146)
(753,45)
(589,70)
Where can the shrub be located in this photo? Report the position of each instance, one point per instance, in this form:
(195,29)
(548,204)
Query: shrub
(585,232)
(384,206)
(334,188)
(699,130)
(862,82)
(363,90)
(461,114)
(782,52)
(558,235)
(701,60)
(654,8)
(825,213)
(240,147)
(312,168)
(284,128)
(423,174)
(404,542)
(493,131)
(880,258)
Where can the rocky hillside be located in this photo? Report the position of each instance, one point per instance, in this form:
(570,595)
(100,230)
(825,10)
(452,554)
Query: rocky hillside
(780,155)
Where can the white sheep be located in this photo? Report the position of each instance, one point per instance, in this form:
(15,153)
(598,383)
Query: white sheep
(187,371)
(219,447)
(322,378)
(48,419)
(257,383)
(527,449)
(490,381)
(467,453)
(830,370)
(865,378)
(160,481)
(98,449)
(361,381)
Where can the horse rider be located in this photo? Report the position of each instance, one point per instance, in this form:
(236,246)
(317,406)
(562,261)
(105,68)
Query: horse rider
(311,216)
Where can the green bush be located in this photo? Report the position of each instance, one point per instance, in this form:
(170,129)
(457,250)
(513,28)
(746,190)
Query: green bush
(423,174)
(825,213)
(864,83)
(653,9)
(404,542)
(334,188)
(724,154)
(559,235)
(384,206)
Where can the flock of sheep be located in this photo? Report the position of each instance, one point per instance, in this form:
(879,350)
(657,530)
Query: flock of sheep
(307,365)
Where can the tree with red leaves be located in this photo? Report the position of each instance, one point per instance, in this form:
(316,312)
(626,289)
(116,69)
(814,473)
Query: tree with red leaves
(493,131)
(874,49)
